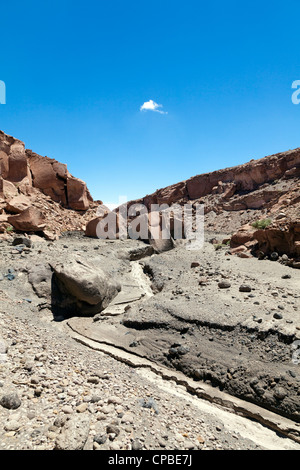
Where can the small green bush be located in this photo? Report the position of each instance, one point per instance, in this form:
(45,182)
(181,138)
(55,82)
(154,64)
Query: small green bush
(261,224)
(218,246)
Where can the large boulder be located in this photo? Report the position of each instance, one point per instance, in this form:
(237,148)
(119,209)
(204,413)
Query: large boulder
(18,204)
(81,288)
(78,197)
(9,190)
(91,227)
(29,220)
(49,176)
(242,236)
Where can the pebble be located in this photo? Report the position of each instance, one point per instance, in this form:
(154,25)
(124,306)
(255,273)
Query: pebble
(224,285)
(67,409)
(10,401)
(245,288)
(100,438)
(12,425)
(136,445)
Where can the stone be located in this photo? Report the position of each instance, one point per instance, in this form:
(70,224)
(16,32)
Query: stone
(22,241)
(81,288)
(10,401)
(78,196)
(100,438)
(74,433)
(280,393)
(12,425)
(136,445)
(81,408)
(112,429)
(67,409)
(224,284)
(18,204)
(29,220)
(245,288)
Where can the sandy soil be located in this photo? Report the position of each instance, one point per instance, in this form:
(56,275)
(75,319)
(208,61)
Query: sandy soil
(207,353)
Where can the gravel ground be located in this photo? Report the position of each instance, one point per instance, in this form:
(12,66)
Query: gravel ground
(55,393)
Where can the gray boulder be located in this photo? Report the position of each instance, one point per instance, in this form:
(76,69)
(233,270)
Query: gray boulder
(80,288)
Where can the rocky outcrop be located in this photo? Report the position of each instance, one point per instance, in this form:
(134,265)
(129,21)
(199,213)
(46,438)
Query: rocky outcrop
(229,181)
(13,160)
(54,180)
(280,237)
(234,198)
(38,194)
(26,168)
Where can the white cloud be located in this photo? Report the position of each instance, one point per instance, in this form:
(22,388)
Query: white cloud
(152,106)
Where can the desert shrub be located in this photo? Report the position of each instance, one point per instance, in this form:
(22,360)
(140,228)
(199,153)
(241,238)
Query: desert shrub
(261,224)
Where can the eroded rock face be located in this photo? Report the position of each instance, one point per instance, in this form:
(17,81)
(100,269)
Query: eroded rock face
(282,238)
(41,192)
(23,167)
(77,194)
(242,236)
(49,176)
(13,160)
(54,180)
(229,181)
(234,198)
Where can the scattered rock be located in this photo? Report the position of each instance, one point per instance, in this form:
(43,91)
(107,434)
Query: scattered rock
(195,264)
(224,284)
(245,288)
(136,445)
(74,433)
(10,401)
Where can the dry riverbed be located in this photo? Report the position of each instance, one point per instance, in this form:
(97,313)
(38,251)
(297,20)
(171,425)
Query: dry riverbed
(86,383)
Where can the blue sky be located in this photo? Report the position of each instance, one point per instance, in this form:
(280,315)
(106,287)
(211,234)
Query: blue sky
(77,74)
